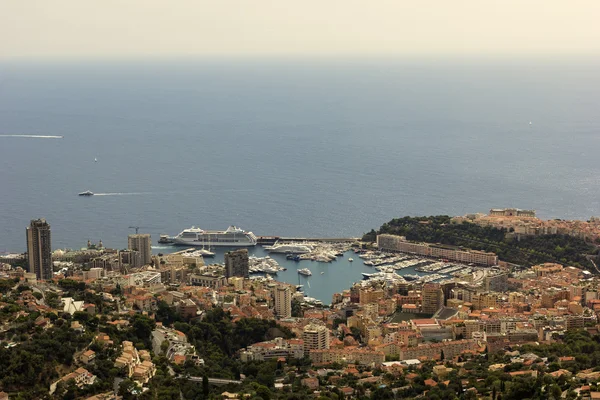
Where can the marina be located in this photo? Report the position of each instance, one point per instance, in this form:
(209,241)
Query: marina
(263,265)
(339,272)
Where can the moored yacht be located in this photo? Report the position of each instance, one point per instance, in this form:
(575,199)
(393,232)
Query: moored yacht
(290,248)
(305,272)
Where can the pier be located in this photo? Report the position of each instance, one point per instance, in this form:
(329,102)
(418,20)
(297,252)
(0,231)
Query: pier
(270,240)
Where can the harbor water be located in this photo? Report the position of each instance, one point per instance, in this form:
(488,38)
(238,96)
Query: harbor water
(337,275)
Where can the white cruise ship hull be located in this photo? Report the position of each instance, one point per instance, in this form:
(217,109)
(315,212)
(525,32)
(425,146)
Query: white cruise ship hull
(232,237)
(185,242)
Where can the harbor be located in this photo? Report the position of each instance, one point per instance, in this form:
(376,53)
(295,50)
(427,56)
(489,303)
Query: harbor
(331,267)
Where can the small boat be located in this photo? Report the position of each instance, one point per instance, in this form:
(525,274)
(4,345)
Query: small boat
(322,272)
(206,253)
(95,159)
(86,193)
(165,239)
(350,259)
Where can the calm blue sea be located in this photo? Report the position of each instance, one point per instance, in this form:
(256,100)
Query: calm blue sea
(292,147)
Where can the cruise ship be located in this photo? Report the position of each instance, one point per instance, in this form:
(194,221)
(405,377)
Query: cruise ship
(232,237)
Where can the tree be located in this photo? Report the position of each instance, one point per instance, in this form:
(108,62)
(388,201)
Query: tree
(205,387)
(555,392)
(296,309)
(442,355)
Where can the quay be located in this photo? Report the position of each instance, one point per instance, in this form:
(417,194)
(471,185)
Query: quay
(270,240)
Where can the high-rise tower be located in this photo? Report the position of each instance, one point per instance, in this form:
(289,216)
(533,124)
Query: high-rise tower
(283,302)
(236,263)
(141,242)
(39,249)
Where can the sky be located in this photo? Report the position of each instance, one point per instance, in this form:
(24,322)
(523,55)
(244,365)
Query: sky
(59,29)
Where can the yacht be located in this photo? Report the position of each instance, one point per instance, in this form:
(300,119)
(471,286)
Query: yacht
(305,272)
(199,252)
(290,248)
(86,193)
(231,237)
(165,239)
(350,259)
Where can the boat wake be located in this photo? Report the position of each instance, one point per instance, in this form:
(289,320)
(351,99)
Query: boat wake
(35,136)
(122,194)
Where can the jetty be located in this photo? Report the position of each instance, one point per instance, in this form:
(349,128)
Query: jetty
(270,240)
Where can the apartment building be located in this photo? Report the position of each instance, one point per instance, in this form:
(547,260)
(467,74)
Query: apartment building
(315,337)
(347,355)
(400,244)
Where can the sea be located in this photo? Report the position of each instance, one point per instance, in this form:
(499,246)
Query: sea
(291,147)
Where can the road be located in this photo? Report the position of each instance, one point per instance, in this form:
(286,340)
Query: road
(213,381)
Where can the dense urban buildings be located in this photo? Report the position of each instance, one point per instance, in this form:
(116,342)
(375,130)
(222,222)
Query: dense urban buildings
(524,223)
(390,326)
(142,243)
(39,249)
(236,263)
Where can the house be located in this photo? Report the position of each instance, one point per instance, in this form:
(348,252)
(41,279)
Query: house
(81,376)
(430,382)
(104,339)
(143,372)
(3,396)
(87,357)
(77,327)
(311,383)
(105,396)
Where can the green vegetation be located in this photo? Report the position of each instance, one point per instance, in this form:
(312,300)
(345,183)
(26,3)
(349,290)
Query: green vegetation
(7,284)
(527,251)
(32,365)
(217,339)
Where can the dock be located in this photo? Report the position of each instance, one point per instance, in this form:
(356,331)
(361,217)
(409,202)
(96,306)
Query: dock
(270,240)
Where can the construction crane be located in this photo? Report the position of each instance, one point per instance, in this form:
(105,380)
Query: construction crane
(137,228)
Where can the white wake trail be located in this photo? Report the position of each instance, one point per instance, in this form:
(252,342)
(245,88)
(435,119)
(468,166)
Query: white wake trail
(35,136)
(122,194)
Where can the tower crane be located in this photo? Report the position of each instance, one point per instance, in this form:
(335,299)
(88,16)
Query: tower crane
(137,228)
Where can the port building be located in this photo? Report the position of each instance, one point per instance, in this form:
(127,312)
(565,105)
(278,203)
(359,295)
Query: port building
(397,243)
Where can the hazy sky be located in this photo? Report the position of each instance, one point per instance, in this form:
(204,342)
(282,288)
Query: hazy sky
(130,28)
